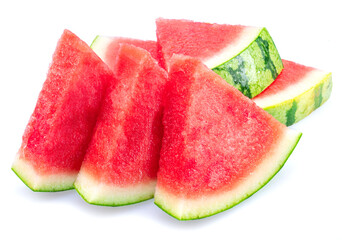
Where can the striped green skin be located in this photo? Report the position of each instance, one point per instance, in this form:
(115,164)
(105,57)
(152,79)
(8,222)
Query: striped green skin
(294,110)
(255,68)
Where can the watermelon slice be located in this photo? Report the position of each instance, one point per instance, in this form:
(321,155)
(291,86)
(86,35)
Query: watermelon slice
(107,47)
(245,57)
(218,146)
(297,92)
(60,128)
(122,160)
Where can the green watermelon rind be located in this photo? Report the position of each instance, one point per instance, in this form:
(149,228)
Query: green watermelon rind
(99,203)
(94,41)
(99,46)
(108,199)
(293,110)
(21,171)
(248,194)
(52,189)
(254,68)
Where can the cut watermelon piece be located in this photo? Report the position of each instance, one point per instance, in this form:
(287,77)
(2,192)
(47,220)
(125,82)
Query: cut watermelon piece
(107,48)
(245,57)
(218,146)
(297,92)
(122,160)
(60,128)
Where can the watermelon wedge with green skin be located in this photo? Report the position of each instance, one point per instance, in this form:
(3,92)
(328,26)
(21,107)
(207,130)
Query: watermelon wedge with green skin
(107,47)
(297,92)
(60,128)
(218,146)
(245,57)
(121,164)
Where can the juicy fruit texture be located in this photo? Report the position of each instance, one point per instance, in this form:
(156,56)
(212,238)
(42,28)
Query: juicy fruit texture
(245,57)
(107,48)
(60,128)
(296,92)
(209,150)
(218,146)
(122,160)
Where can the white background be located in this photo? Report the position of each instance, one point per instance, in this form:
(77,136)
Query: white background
(303,201)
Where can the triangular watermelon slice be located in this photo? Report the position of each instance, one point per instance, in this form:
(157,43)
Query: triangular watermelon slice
(218,146)
(296,92)
(245,57)
(122,160)
(60,128)
(107,48)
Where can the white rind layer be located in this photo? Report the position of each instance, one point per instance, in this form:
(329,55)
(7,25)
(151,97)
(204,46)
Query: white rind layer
(99,193)
(100,45)
(193,208)
(42,183)
(310,80)
(248,35)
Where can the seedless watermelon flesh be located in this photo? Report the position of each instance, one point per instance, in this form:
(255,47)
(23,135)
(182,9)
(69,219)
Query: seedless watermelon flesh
(245,57)
(60,128)
(122,160)
(218,146)
(107,47)
(297,92)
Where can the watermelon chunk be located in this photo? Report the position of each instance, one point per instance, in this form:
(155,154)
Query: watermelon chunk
(107,48)
(245,57)
(122,160)
(218,146)
(60,128)
(297,92)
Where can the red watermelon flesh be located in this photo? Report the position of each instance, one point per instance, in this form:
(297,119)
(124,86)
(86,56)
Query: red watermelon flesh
(244,56)
(122,160)
(218,146)
(292,74)
(107,48)
(295,93)
(171,33)
(60,128)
